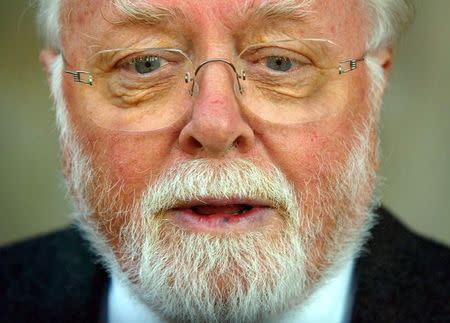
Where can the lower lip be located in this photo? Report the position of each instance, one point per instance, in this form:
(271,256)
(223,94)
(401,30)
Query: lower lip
(252,220)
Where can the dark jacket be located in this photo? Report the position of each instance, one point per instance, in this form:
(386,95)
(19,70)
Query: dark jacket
(400,277)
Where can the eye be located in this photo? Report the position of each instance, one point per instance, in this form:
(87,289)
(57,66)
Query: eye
(278,63)
(146,64)
(275,60)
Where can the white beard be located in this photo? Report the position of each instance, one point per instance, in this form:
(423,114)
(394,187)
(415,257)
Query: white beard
(235,278)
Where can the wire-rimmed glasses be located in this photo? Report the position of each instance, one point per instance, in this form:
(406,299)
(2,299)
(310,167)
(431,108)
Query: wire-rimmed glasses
(143,89)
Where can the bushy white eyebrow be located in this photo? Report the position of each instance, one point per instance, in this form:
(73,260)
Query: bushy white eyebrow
(281,9)
(150,14)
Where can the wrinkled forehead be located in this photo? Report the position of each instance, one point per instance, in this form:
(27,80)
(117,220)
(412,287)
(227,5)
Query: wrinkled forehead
(341,21)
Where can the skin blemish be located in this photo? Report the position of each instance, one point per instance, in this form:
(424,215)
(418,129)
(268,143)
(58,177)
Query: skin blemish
(313,137)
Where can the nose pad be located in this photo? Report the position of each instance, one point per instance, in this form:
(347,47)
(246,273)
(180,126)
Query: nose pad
(194,89)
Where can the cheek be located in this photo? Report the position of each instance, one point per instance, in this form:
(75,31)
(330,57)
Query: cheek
(131,159)
(309,152)
(134,160)
(125,161)
(302,153)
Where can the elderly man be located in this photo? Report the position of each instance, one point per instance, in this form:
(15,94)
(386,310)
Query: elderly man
(221,156)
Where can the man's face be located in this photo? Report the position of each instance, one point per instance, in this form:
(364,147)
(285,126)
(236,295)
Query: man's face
(192,201)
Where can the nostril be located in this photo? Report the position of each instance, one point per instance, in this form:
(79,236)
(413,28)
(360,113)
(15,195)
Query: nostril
(194,143)
(243,142)
(238,142)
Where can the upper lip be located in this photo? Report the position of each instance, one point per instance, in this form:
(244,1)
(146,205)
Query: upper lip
(223,202)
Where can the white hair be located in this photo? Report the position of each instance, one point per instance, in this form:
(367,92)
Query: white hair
(48,22)
(79,175)
(388,20)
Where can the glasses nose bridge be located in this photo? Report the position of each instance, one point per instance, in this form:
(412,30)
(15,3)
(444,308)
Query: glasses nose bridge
(216,60)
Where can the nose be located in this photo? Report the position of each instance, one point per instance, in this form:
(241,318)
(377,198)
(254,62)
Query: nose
(216,126)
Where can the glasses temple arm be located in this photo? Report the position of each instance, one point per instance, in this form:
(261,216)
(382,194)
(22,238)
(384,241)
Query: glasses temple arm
(349,65)
(79,76)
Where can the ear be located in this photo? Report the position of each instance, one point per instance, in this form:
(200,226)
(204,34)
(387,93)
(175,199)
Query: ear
(47,58)
(385,60)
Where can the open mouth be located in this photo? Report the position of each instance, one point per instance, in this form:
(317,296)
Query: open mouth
(232,209)
(222,215)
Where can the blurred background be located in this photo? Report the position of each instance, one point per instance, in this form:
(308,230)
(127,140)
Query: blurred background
(415,129)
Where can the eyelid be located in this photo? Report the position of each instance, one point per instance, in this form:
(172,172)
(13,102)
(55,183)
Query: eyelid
(265,52)
(134,59)
(116,57)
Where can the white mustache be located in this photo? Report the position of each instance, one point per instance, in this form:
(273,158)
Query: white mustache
(203,179)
